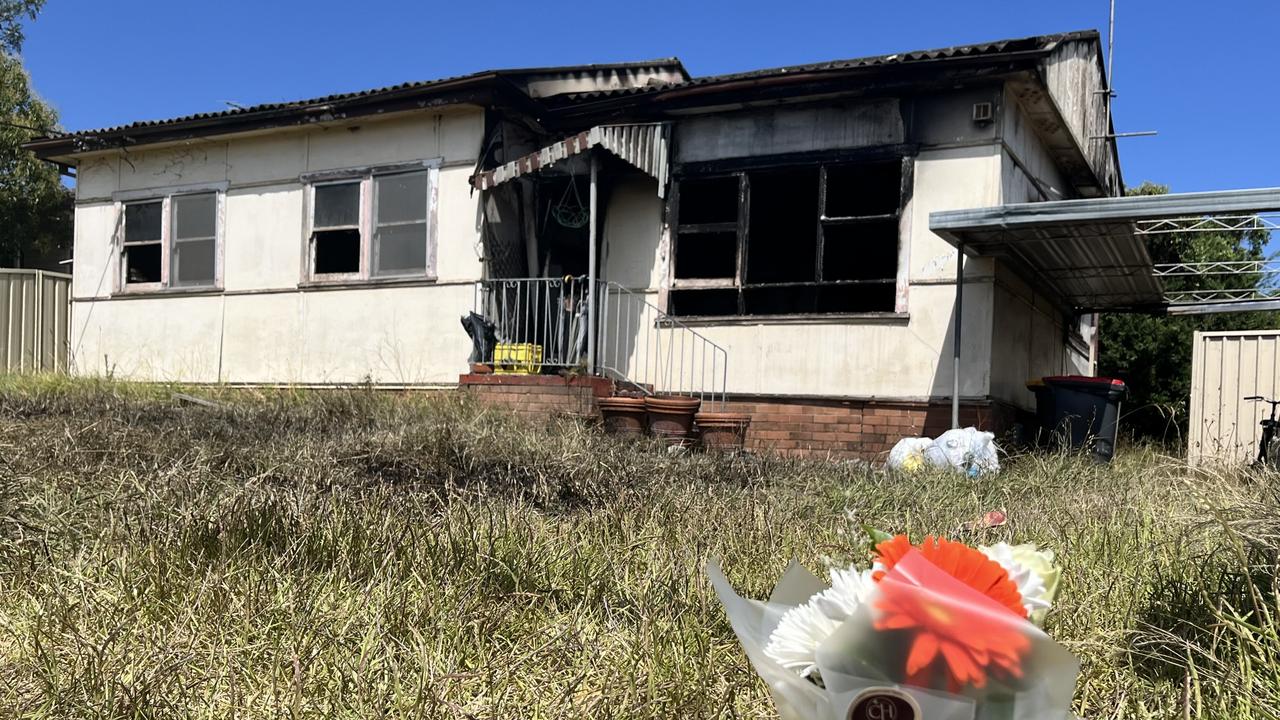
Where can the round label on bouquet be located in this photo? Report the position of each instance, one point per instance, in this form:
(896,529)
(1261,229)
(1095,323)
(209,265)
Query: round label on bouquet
(884,703)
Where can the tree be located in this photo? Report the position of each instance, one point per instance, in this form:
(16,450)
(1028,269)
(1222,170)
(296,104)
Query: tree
(1151,353)
(35,208)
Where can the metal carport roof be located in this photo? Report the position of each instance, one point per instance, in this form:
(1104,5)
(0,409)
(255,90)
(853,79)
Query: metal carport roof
(1091,253)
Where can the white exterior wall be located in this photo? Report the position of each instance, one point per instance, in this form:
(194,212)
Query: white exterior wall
(264,327)
(1225,368)
(1030,337)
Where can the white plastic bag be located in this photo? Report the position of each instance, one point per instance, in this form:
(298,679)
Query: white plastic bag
(908,454)
(968,450)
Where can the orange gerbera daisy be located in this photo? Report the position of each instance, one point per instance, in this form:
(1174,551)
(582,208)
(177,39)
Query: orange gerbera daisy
(970,638)
(961,562)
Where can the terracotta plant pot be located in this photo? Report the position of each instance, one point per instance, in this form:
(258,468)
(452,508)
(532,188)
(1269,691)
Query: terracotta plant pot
(723,431)
(623,416)
(671,417)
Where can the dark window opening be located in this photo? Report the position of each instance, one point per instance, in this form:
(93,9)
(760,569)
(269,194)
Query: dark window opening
(815,239)
(860,251)
(783,227)
(703,302)
(865,189)
(709,200)
(707,255)
(142,263)
(336,251)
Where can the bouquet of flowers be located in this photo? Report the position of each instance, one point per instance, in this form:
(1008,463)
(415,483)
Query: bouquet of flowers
(934,631)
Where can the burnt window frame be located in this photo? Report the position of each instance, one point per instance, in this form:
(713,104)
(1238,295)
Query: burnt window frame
(743,169)
(367,224)
(167,240)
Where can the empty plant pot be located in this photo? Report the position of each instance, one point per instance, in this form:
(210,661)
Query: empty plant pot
(623,416)
(723,431)
(671,416)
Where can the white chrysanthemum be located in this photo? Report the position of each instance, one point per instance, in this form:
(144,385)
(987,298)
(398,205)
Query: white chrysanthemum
(794,643)
(1036,596)
(849,589)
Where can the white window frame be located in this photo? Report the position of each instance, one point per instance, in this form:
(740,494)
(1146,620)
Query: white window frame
(365,176)
(165,197)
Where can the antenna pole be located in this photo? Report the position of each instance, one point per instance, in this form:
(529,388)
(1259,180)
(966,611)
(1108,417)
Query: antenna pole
(1111,65)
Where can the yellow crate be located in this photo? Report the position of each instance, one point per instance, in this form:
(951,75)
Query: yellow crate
(517,359)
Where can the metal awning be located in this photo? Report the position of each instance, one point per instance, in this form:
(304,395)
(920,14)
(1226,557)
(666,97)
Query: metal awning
(1092,253)
(645,146)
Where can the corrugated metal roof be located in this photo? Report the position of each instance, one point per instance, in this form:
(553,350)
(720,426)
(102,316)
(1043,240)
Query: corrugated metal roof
(1040,42)
(1088,251)
(1032,43)
(373,92)
(645,146)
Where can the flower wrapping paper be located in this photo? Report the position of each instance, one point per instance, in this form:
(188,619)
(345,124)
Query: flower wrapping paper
(954,652)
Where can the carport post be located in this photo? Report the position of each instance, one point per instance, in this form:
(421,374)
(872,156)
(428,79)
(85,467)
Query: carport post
(955,340)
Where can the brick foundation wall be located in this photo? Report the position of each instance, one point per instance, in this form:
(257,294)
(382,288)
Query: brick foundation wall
(810,427)
(538,396)
(856,429)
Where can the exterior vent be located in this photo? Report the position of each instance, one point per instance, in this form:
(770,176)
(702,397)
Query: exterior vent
(983,113)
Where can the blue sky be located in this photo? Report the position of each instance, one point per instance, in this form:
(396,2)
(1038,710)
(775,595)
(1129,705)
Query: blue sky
(1202,74)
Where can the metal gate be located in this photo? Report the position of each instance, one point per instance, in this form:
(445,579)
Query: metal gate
(1225,368)
(35,315)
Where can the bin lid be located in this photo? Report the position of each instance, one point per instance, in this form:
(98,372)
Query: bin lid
(1094,383)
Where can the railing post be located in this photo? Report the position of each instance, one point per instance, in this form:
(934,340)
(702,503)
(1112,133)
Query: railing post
(591,269)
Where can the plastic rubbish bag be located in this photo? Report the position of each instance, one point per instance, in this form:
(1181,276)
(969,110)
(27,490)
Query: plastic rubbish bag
(908,454)
(968,450)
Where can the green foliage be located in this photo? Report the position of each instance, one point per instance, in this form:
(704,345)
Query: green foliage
(35,208)
(361,554)
(12,13)
(1152,354)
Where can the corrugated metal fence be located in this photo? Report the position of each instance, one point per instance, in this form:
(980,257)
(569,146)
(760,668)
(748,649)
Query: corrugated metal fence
(35,319)
(1227,367)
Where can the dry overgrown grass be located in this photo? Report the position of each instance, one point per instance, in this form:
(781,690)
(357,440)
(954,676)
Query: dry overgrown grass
(356,554)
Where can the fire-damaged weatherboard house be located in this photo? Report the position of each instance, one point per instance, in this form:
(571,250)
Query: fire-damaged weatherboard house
(761,238)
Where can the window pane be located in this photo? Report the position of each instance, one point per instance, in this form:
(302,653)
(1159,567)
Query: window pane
(400,249)
(707,255)
(142,221)
(337,251)
(193,262)
(337,205)
(712,200)
(401,198)
(142,264)
(866,189)
(194,216)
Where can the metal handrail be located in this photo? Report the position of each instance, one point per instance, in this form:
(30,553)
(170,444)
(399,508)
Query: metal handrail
(637,345)
(655,353)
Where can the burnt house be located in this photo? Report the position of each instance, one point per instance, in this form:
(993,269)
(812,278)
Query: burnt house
(759,238)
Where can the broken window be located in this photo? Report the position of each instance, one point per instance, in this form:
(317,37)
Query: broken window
(385,235)
(143,243)
(335,229)
(170,242)
(816,238)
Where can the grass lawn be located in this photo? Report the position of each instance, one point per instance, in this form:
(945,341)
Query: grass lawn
(361,554)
